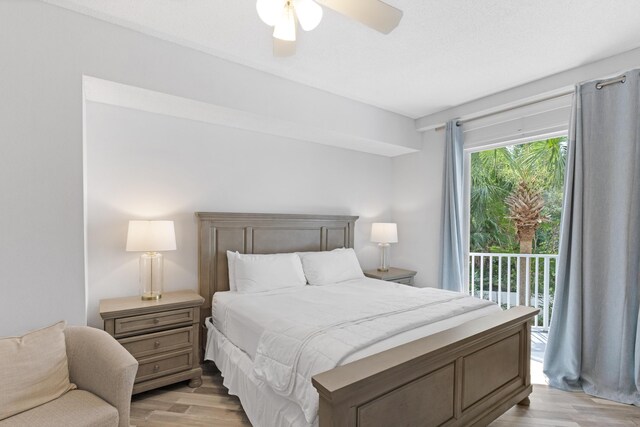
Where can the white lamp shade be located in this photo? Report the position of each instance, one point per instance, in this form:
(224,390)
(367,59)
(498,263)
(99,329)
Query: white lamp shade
(151,236)
(309,13)
(384,232)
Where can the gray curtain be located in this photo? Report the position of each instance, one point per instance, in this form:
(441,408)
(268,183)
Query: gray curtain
(452,273)
(594,339)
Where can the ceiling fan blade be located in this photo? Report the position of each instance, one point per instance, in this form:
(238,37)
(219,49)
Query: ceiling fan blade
(283,47)
(373,13)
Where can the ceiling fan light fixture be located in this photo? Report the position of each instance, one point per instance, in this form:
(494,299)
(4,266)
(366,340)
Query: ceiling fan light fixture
(284,16)
(270,11)
(285,28)
(309,13)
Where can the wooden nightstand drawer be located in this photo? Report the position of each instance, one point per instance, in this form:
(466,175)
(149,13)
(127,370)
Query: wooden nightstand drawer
(145,322)
(169,363)
(404,281)
(163,335)
(150,344)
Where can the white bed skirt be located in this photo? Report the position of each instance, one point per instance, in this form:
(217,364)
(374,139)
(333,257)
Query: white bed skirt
(263,407)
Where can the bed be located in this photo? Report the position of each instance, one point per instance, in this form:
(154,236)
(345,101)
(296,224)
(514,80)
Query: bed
(463,370)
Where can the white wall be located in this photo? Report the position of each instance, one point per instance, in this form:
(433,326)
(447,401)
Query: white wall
(45,51)
(417,208)
(144,165)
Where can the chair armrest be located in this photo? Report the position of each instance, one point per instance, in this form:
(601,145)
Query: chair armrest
(100,365)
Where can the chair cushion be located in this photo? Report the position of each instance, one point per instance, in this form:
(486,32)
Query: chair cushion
(33,369)
(75,408)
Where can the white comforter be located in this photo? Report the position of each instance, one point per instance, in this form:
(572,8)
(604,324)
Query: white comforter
(322,326)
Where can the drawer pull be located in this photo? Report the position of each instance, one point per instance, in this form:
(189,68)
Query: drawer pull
(156,368)
(156,344)
(156,320)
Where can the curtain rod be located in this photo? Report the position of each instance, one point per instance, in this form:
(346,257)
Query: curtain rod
(505,110)
(599,85)
(619,79)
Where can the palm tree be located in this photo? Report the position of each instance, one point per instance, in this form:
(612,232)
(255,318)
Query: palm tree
(525,208)
(508,184)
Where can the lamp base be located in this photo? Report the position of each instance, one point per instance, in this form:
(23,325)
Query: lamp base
(151,264)
(384,257)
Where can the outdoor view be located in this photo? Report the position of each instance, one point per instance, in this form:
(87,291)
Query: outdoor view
(516,203)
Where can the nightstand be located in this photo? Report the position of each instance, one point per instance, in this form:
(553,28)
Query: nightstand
(397,275)
(163,335)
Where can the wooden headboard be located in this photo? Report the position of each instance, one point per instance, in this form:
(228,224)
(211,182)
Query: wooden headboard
(261,234)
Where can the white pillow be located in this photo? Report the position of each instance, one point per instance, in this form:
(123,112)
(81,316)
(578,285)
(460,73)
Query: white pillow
(231,264)
(323,268)
(260,273)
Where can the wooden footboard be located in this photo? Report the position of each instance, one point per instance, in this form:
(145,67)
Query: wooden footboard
(465,376)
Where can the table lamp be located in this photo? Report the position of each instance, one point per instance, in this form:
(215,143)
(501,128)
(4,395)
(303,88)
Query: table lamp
(151,237)
(384,233)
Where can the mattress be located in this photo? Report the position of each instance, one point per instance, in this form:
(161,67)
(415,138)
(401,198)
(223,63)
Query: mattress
(242,318)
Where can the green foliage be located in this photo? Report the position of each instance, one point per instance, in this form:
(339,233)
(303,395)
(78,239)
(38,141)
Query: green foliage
(496,173)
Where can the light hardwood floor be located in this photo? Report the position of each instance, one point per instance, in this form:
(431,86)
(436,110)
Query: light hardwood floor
(210,405)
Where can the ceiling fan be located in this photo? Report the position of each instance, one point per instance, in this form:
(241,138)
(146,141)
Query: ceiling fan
(284,15)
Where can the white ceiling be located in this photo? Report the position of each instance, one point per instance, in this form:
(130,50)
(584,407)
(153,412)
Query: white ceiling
(442,54)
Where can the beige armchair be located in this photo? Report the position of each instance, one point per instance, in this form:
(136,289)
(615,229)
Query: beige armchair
(104,373)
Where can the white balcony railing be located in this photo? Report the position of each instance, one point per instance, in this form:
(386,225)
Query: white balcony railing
(495,277)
